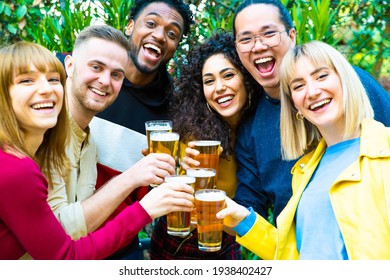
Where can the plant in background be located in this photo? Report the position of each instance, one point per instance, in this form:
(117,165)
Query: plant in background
(365,35)
(209,15)
(57,31)
(15,17)
(115,12)
(313,20)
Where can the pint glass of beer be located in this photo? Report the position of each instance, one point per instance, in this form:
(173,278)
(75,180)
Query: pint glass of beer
(205,179)
(208,203)
(179,222)
(164,142)
(160,125)
(208,154)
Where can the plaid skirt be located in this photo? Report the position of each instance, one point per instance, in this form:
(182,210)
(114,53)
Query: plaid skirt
(167,247)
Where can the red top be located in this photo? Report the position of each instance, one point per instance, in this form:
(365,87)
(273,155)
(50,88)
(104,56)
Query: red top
(27,224)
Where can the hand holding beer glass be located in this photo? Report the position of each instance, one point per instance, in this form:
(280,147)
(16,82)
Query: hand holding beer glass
(202,153)
(208,202)
(179,222)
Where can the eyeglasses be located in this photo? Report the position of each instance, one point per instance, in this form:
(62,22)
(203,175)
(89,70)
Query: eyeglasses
(270,39)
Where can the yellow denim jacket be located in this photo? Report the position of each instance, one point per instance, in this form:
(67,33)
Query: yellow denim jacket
(360,199)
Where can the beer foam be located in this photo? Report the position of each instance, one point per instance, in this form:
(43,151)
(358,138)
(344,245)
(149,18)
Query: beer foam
(210,196)
(164,136)
(180,179)
(159,127)
(203,143)
(200,173)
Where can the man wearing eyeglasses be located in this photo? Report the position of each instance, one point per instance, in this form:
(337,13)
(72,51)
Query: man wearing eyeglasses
(264,32)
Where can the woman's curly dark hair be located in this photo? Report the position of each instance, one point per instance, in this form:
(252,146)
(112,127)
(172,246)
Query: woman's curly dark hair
(191,117)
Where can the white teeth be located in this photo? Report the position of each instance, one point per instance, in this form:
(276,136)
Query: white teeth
(316,105)
(264,59)
(158,50)
(43,105)
(224,99)
(101,93)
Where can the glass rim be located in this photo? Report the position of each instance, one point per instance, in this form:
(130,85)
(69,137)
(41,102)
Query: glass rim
(207,170)
(163,132)
(155,134)
(151,121)
(203,143)
(219,191)
(191,179)
(159,122)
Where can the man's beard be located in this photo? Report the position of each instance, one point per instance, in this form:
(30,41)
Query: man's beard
(133,56)
(141,68)
(78,92)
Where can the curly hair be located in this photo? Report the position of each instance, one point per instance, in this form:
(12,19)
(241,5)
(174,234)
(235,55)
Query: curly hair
(192,118)
(182,8)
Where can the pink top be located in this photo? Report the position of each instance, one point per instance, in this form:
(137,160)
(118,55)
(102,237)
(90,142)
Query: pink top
(27,224)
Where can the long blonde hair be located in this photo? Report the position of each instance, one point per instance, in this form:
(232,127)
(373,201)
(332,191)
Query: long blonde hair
(300,136)
(15,59)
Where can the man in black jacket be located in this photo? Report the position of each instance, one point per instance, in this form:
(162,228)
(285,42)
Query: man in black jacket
(155,30)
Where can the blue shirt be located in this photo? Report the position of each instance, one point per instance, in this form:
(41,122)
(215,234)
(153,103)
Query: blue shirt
(317,232)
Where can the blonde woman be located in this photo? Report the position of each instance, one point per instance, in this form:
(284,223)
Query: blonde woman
(340,207)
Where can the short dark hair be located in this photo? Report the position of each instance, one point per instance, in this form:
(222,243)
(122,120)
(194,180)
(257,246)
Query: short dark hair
(182,8)
(284,16)
(104,32)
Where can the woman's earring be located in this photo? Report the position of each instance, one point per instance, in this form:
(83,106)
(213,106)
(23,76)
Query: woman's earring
(299,116)
(208,107)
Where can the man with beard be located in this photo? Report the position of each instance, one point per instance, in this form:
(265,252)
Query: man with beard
(155,30)
(95,76)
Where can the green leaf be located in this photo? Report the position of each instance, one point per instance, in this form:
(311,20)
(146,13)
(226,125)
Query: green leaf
(7,10)
(2,6)
(21,12)
(12,29)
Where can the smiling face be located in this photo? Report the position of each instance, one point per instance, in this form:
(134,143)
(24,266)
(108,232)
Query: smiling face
(317,93)
(263,62)
(154,36)
(95,77)
(224,88)
(37,99)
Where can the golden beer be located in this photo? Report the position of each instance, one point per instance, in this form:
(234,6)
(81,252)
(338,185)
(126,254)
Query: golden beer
(205,179)
(179,222)
(208,203)
(164,142)
(160,126)
(208,154)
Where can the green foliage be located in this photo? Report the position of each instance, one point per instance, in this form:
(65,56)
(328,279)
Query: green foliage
(360,29)
(313,19)
(55,24)
(15,16)
(115,12)
(58,29)
(364,34)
